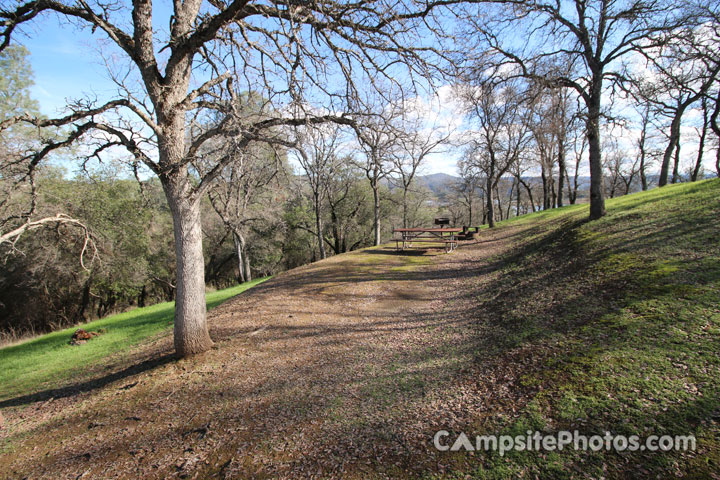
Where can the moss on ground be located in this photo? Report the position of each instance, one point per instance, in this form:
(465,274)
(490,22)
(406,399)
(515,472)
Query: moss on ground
(628,306)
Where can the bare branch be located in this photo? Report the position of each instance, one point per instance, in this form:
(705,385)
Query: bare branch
(11,238)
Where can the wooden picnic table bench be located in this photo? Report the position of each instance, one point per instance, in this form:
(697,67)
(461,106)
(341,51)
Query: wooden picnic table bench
(444,235)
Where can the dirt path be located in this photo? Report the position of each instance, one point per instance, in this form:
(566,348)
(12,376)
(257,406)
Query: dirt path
(344,368)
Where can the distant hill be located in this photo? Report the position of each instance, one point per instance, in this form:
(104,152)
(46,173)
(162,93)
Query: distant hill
(437,182)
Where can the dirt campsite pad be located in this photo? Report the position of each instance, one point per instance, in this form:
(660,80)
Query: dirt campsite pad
(338,368)
(347,368)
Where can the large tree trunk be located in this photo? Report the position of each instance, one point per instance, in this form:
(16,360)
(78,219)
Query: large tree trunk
(670,149)
(318,226)
(242,258)
(701,145)
(191,333)
(376,211)
(405,207)
(716,130)
(597,194)
(676,164)
(561,170)
(490,209)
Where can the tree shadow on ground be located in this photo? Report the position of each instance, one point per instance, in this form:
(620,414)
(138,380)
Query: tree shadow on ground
(89,385)
(474,351)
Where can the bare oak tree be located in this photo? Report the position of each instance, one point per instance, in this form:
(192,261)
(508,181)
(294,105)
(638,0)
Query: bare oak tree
(297,56)
(241,197)
(682,79)
(468,187)
(378,137)
(416,142)
(595,36)
(501,135)
(318,154)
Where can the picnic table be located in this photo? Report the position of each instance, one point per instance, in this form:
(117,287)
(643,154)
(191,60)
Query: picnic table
(444,235)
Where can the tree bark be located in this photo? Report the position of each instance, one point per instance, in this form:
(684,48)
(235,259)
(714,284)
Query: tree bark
(676,164)
(190,331)
(597,194)
(670,149)
(701,145)
(490,209)
(376,211)
(318,226)
(243,260)
(405,208)
(561,170)
(191,334)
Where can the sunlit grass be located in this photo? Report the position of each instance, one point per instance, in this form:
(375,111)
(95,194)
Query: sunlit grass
(29,365)
(633,330)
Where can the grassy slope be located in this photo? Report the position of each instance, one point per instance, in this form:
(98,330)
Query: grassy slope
(623,317)
(50,358)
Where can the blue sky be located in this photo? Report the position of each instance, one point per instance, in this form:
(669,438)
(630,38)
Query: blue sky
(67,65)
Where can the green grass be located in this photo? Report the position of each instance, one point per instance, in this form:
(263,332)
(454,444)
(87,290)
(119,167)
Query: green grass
(622,316)
(31,365)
